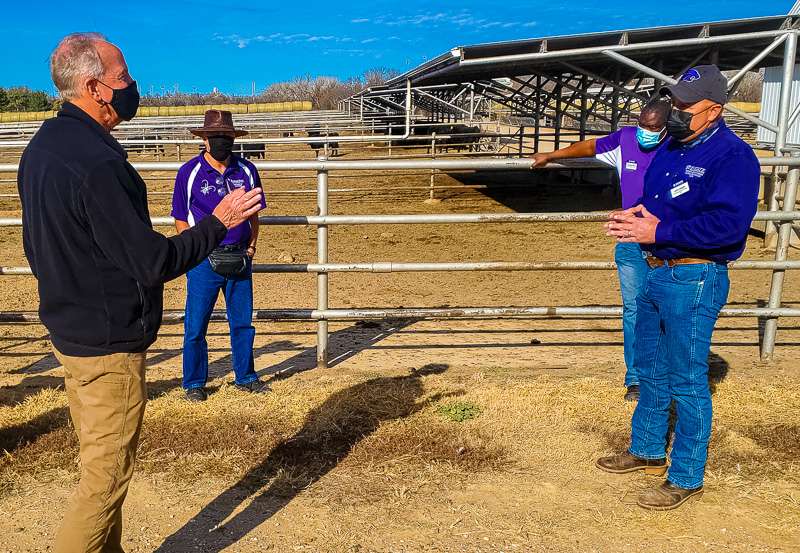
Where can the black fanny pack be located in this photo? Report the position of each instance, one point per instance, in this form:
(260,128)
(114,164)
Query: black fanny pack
(229,261)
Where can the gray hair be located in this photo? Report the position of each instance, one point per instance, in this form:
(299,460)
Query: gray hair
(75,58)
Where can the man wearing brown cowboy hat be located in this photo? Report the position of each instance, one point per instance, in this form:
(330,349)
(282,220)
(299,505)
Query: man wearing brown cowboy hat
(201,184)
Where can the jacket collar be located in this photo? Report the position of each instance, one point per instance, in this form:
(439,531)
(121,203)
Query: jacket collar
(69,109)
(708,133)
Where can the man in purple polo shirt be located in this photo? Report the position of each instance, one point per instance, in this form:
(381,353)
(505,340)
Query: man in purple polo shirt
(201,184)
(629,150)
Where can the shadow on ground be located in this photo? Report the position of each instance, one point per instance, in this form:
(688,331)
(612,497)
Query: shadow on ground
(343,345)
(546,190)
(328,434)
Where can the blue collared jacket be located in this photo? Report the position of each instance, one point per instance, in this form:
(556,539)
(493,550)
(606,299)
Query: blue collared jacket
(705,193)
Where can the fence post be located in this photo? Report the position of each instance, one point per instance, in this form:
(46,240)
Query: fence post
(390,140)
(322,257)
(431,197)
(179,152)
(472,103)
(781,253)
(784,107)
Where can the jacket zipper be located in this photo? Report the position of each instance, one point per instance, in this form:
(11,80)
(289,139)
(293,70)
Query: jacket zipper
(141,318)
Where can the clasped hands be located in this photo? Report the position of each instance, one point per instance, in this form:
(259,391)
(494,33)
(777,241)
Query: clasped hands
(632,225)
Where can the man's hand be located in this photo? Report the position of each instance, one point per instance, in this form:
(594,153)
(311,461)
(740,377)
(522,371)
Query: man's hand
(633,225)
(540,160)
(238,206)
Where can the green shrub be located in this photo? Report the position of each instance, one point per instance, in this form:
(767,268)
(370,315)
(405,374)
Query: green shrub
(459,411)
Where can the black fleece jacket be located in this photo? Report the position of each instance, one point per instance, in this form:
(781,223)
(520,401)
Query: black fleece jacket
(89,241)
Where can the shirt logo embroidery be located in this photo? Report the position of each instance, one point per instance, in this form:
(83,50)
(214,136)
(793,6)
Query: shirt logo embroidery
(691,76)
(236,183)
(206,188)
(693,171)
(631,165)
(221,191)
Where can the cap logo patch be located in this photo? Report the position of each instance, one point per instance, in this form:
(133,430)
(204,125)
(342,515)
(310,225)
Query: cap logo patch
(690,76)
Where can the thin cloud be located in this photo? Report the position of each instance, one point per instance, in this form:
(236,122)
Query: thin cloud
(351,52)
(463,20)
(278,38)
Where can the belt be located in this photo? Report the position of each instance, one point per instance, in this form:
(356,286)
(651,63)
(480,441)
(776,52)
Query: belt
(658,262)
(230,248)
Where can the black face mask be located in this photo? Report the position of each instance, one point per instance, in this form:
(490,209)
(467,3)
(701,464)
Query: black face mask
(125,101)
(679,124)
(220,147)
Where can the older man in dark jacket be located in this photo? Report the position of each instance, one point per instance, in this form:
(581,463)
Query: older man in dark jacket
(101,268)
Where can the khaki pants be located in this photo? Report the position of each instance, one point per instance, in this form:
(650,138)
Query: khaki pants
(106,396)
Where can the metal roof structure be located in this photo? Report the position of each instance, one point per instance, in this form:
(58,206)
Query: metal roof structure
(729,44)
(592,82)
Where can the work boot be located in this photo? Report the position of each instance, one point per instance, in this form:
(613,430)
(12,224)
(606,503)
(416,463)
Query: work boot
(667,496)
(632,393)
(254,387)
(627,462)
(196,395)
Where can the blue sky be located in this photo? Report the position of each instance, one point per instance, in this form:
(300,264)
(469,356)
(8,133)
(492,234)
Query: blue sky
(200,44)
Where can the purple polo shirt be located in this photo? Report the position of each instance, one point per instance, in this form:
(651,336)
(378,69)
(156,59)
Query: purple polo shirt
(199,188)
(621,150)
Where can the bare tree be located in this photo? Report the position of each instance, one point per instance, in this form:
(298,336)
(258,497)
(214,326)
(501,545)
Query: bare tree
(749,89)
(323,92)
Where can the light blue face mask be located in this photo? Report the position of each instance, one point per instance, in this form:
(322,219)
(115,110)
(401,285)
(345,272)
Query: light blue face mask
(648,139)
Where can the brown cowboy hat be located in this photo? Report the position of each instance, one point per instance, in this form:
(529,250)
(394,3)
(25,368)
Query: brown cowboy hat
(217,121)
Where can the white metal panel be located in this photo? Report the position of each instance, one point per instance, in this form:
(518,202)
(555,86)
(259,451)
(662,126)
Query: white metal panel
(770,102)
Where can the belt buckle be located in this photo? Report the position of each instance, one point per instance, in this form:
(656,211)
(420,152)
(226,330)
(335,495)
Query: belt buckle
(653,261)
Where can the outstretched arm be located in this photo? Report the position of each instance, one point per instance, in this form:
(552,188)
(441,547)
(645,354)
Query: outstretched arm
(584,148)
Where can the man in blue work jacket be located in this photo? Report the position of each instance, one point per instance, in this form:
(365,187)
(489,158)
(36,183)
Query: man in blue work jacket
(700,196)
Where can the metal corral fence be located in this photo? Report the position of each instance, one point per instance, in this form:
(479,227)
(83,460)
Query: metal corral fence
(322,314)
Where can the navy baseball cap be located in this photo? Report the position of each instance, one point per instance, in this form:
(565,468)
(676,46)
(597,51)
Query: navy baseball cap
(704,82)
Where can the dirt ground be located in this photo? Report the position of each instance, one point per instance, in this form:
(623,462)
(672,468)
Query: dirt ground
(372,453)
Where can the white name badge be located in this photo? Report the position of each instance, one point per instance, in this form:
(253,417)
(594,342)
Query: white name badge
(680,188)
(631,165)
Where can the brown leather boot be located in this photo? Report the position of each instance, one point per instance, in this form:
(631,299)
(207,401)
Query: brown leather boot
(667,496)
(626,462)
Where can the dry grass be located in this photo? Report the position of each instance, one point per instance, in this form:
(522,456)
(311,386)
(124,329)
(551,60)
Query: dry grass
(364,440)
(301,429)
(368,421)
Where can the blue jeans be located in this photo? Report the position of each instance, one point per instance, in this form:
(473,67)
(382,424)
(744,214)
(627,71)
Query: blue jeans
(632,269)
(202,288)
(677,312)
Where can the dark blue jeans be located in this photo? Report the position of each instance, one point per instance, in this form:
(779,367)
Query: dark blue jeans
(202,289)
(632,269)
(677,311)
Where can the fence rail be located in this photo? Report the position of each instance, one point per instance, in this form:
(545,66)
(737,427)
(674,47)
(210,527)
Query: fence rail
(483,313)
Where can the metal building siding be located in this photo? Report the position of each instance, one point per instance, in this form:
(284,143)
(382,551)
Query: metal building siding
(770,102)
